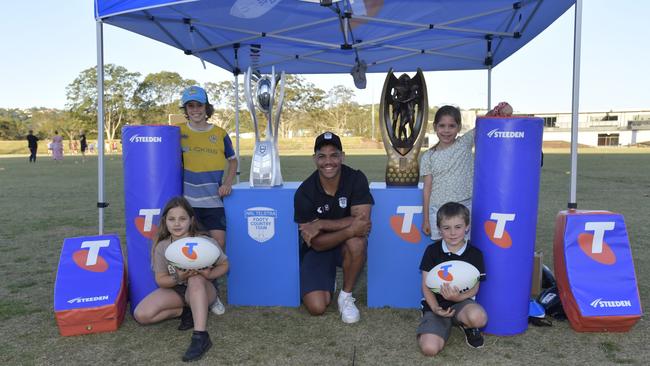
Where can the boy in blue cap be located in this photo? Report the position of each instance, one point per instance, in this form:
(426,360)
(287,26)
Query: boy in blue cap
(209,167)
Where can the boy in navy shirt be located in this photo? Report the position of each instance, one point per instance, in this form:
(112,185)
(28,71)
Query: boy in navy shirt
(450,306)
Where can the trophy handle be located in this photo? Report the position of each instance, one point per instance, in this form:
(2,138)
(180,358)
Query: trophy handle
(276,124)
(383,118)
(249,101)
(269,116)
(423,120)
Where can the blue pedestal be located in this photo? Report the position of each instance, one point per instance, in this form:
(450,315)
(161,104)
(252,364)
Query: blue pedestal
(395,247)
(262,246)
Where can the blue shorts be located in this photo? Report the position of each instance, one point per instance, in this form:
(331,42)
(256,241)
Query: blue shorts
(211,218)
(318,269)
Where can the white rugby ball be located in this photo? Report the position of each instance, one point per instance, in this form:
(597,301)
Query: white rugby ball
(456,273)
(192,253)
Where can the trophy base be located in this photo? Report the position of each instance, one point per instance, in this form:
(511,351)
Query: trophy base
(402,171)
(265,165)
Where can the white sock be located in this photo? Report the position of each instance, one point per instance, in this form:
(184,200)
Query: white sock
(343,294)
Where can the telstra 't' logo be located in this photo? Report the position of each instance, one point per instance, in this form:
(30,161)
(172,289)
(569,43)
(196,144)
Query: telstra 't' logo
(189,252)
(144,222)
(444,273)
(496,230)
(594,245)
(402,223)
(88,257)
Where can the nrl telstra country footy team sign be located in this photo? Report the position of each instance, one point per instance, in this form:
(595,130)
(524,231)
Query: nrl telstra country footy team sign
(265,165)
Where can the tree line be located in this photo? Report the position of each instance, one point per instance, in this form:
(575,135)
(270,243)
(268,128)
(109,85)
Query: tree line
(131,99)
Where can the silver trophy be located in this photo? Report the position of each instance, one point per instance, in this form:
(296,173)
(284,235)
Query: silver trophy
(265,165)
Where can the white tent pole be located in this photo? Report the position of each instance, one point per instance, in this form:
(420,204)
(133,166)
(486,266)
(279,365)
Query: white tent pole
(372,110)
(237,125)
(489,89)
(575,104)
(100,125)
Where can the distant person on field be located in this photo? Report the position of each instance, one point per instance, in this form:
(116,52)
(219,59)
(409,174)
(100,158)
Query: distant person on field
(84,145)
(209,168)
(447,168)
(332,208)
(32,143)
(57,146)
(184,293)
(450,307)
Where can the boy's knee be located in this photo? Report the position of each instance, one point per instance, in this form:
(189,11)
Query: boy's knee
(477,318)
(430,349)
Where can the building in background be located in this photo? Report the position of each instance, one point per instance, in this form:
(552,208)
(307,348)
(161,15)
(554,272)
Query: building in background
(613,128)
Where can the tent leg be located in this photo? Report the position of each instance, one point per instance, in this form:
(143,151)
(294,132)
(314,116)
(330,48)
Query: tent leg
(489,88)
(237,125)
(100,125)
(575,104)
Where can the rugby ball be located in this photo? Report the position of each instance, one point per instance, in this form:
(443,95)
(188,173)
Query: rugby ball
(192,253)
(456,273)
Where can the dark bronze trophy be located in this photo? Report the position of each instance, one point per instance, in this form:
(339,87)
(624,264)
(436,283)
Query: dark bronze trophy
(403,115)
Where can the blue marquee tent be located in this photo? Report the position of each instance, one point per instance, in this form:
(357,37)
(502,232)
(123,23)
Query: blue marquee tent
(304,37)
(335,36)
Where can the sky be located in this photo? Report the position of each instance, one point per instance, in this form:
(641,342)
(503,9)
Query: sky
(46,44)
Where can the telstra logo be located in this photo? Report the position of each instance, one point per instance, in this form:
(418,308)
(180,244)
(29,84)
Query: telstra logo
(89,259)
(444,273)
(496,230)
(594,245)
(144,222)
(402,223)
(189,252)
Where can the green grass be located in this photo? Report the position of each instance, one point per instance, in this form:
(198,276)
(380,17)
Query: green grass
(46,202)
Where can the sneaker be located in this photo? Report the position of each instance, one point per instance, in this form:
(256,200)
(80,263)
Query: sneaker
(349,311)
(217,306)
(187,322)
(201,343)
(473,337)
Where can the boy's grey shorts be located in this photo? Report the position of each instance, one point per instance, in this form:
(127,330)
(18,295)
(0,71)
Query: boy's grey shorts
(432,323)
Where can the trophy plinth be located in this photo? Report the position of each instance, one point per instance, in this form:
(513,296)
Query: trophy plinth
(265,164)
(403,115)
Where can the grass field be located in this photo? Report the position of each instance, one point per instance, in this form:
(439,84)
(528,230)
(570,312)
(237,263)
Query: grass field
(46,202)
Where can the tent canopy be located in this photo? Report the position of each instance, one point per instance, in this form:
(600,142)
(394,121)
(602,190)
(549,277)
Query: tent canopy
(304,37)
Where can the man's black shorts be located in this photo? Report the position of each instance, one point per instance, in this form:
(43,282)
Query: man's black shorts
(318,269)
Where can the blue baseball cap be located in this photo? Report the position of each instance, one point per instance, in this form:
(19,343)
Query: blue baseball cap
(195,93)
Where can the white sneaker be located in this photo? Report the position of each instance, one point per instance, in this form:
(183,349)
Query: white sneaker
(217,306)
(349,311)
